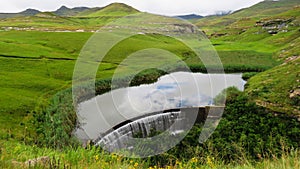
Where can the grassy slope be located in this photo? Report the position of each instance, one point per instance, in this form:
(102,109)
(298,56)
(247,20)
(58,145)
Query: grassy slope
(35,44)
(32,70)
(247,16)
(114,9)
(36,65)
(272,88)
(239,29)
(238,33)
(56,23)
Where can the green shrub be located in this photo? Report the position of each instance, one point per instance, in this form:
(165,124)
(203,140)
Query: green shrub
(248,75)
(246,132)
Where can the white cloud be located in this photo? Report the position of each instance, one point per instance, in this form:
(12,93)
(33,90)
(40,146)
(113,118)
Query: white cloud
(165,7)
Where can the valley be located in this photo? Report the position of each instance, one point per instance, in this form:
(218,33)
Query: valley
(38,53)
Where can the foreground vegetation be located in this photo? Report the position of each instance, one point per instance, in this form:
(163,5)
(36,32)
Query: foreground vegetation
(15,155)
(238,142)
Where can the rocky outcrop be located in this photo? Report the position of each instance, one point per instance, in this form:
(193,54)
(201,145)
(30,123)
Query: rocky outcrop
(274,26)
(40,161)
(294,93)
(184,28)
(216,35)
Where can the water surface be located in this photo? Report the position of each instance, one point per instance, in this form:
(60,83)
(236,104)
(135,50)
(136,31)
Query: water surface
(176,90)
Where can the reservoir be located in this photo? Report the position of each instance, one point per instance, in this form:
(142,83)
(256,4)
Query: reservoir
(175,90)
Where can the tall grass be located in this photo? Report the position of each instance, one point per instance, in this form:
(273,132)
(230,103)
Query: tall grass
(16,155)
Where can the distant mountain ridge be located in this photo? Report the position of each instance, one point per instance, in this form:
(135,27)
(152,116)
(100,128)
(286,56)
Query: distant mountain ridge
(65,11)
(30,12)
(123,9)
(113,9)
(191,16)
(27,12)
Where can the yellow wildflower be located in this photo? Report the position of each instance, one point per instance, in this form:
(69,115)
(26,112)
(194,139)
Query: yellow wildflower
(96,157)
(210,161)
(194,160)
(114,156)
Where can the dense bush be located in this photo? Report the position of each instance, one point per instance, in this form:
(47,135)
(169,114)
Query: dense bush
(248,75)
(56,122)
(228,68)
(245,130)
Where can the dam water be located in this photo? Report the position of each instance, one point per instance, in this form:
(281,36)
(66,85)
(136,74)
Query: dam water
(144,127)
(127,112)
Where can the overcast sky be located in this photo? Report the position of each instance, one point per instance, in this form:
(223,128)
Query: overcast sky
(165,7)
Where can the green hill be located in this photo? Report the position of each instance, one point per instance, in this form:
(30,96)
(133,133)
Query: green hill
(266,8)
(268,28)
(279,88)
(114,9)
(246,17)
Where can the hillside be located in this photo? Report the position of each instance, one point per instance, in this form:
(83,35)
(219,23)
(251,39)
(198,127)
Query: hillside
(246,17)
(112,10)
(266,8)
(279,88)
(268,28)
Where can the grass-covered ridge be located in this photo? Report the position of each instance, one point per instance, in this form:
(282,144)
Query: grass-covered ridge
(271,30)
(114,9)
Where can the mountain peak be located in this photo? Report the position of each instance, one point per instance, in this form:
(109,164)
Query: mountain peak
(120,6)
(65,11)
(113,9)
(190,16)
(30,12)
(63,8)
